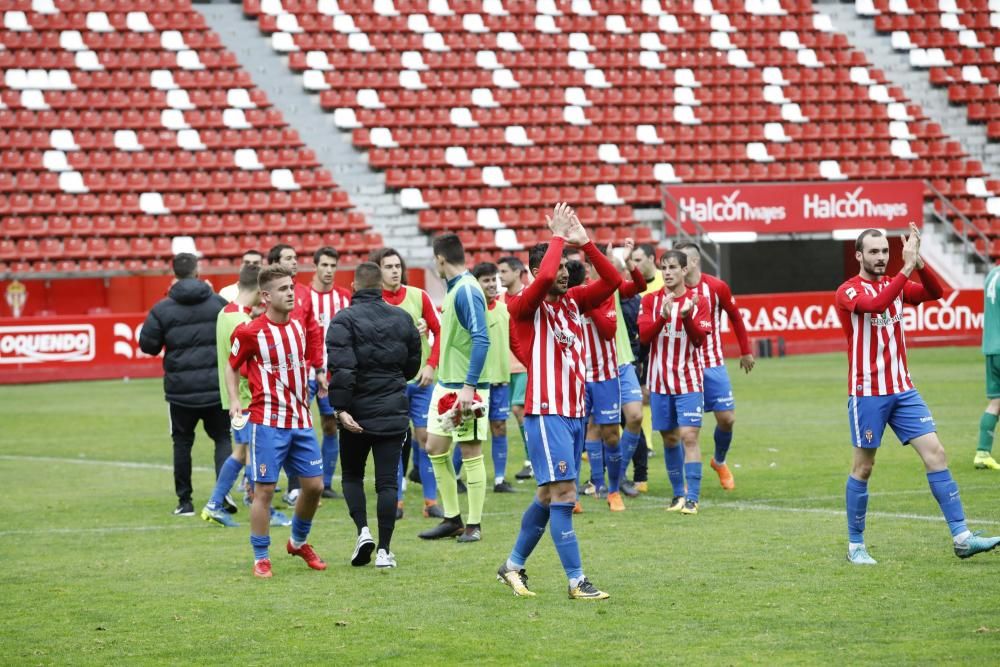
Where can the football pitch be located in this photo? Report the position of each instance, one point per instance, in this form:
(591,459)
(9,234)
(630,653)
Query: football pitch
(96,570)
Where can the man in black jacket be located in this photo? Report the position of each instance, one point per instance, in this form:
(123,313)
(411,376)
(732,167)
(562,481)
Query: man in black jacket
(184,324)
(373,349)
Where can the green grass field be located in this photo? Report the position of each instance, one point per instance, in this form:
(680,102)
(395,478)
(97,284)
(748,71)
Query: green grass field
(96,570)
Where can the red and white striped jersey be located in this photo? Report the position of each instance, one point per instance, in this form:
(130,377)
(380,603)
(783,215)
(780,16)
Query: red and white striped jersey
(303,313)
(547,336)
(600,325)
(719,297)
(871,314)
(324,305)
(675,364)
(277,370)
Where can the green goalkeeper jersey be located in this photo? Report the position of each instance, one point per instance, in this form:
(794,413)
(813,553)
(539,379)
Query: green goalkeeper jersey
(991,313)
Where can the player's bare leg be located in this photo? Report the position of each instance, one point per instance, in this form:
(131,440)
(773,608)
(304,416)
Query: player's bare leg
(428,482)
(673,456)
(987,427)
(595,458)
(439,451)
(692,468)
(724,420)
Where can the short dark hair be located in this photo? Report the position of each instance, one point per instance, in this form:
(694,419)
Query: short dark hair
(326,251)
(859,244)
(274,254)
(450,247)
(680,256)
(378,254)
(248,278)
(484,269)
(368,275)
(513,262)
(647,248)
(254,252)
(271,273)
(536,254)
(688,245)
(185,265)
(577,272)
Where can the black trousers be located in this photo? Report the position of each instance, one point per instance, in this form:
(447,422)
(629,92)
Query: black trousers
(640,460)
(385,450)
(183,421)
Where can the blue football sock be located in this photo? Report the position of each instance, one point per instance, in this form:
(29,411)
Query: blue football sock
(532,528)
(945,491)
(260,544)
(628,444)
(561,528)
(595,454)
(427,479)
(227,477)
(300,529)
(331,450)
(399,479)
(498,450)
(723,439)
(456,460)
(857,509)
(674,458)
(613,462)
(248,474)
(692,475)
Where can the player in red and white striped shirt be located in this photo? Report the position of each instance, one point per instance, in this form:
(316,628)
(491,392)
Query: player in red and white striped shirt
(674,321)
(325,301)
(607,394)
(870,306)
(718,389)
(285,255)
(546,319)
(276,351)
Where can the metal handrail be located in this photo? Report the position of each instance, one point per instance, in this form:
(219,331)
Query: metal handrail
(968,247)
(700,237)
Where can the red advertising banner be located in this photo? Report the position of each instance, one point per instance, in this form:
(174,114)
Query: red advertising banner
(92,347)
(779,208)
(84,347)
(806,322)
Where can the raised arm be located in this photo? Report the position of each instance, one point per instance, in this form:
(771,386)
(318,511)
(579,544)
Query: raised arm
(696,320)
(591,295)
(629,288)
(916,293)
(850,299)
(531,297)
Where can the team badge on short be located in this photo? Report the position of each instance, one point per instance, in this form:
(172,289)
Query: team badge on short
(562,467)
(263,469)
(869,435)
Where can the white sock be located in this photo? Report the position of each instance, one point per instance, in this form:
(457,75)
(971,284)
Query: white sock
(512,566)
(497,480)
(296,544)
(962,537)
(575,581)
(854,546)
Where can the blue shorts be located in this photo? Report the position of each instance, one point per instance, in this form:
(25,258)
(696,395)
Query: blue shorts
(324,404)
(420,403)
(499,402)
(603,401)
(905,413)
(242,436)
(673,410)
(629,381)
(718,390)
(295,449)
(555,444)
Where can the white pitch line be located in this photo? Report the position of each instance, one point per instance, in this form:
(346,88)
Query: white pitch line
(96,462)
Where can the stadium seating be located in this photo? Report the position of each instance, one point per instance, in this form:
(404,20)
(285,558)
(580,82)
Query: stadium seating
(483,112)
(123,124)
